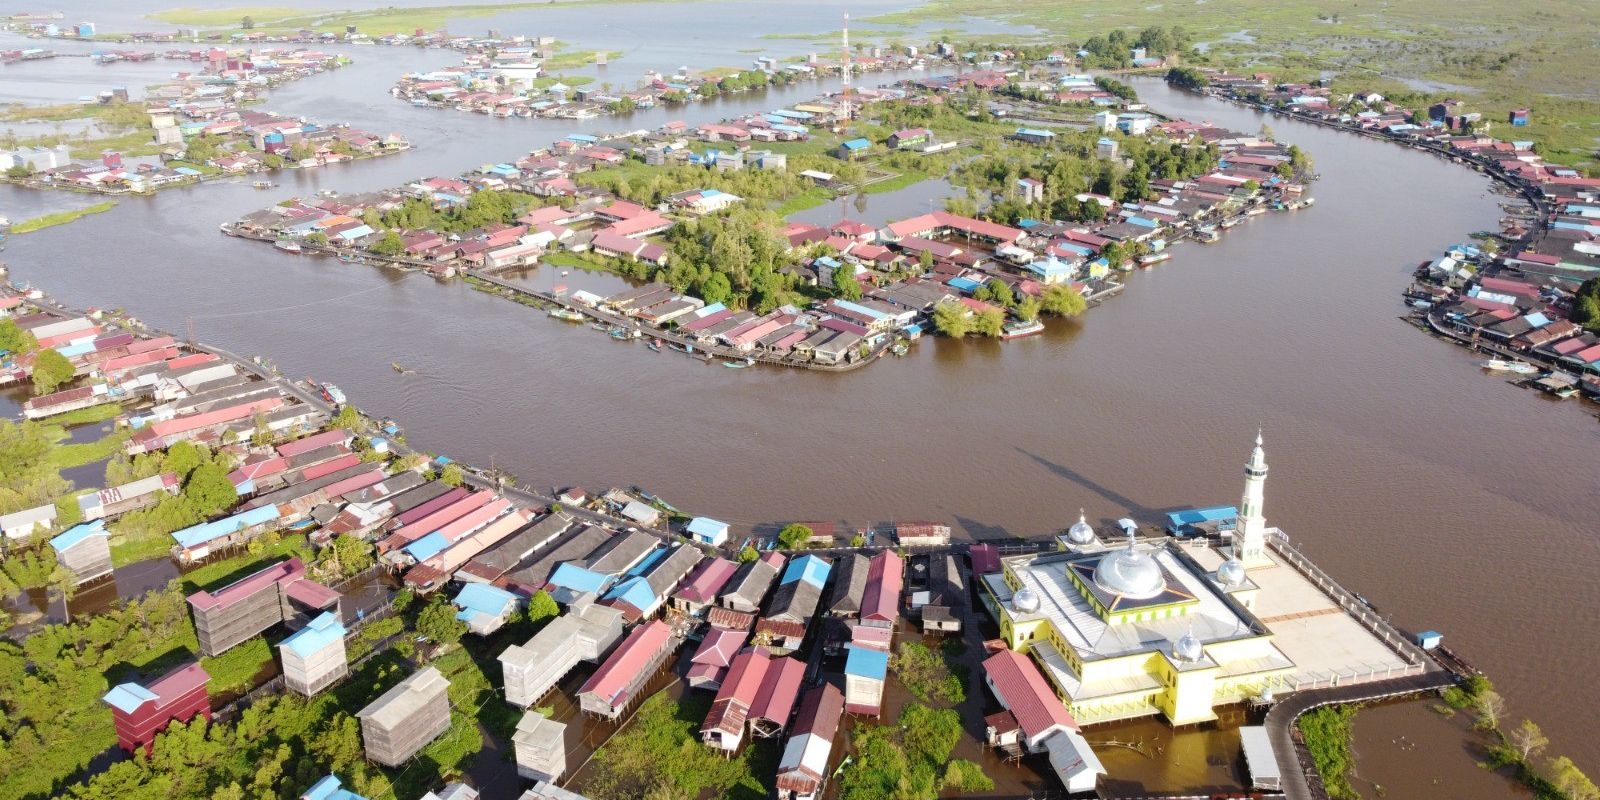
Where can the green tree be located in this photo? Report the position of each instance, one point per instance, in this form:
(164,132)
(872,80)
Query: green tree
(14,339)
(1063,301)
(51,370)
(452,474)
(248,22)
(716,288)
(845,284)
(1027,309)
(350,555)
(748,554)
(541,606)
(389,244)
(438,622)
(1586,305)
(208,489)
(952,319)
(989,322)
(794,536)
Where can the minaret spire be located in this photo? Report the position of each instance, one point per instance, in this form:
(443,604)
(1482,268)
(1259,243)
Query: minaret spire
(1250,537)
(846,43)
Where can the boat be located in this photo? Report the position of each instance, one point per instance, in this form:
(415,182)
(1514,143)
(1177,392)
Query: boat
(332,394)
(1299,204)
(682,348)
(287,246)
(1255,212)
(1207,235)
(600,326)
(1153,259)
(349,259)
(566,314)
(1230,222)
(401,369)
(618,333)
(1501,365)
(1016,329)
(748,362)
(654,344)
(263,184)
(900,349)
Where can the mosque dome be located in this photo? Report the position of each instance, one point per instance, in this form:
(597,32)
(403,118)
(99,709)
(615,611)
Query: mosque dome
(1231,573)
(1081,531)
(1130,573)
(1187,648)
(1025,601)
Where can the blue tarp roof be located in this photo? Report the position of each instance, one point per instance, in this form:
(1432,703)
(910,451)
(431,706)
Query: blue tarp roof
(77,534)
(129,696)
(427,547)
(863,662)
(1195,516)
(572,576)
(319,633)
(808,568)
(582,137)
(206,531)
(481,598)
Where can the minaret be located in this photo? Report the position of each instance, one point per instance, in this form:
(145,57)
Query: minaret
(1250,539)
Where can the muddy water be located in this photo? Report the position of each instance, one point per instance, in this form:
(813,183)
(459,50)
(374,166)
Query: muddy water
(1452,500)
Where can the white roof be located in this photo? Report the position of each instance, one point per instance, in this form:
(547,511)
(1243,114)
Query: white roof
(1258,753)
(1073,760)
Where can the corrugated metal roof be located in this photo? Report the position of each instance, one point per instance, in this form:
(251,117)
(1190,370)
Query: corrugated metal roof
(319,633)
(862,662)
(1026,693)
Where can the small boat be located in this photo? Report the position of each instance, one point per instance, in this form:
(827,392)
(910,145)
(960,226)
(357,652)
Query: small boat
(332,394)
(654,344)
(401,369)
(566,314)
(900,349)
(748,362)
(600,326)
(263,184)
(349,259)
(1501,365)
(682,348)
(287,246)
(1153,259)
(1255,212)
(1230,222)
(618,333)
(1016,329)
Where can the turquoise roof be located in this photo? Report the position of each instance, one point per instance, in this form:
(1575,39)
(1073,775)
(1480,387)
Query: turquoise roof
(127,697)
(635,592)
(205,532)
(485,599)
(316,635)
(857,144)
(707,528)
(78,534)
(808,568)
(863,662)
(330,788)
(572,576)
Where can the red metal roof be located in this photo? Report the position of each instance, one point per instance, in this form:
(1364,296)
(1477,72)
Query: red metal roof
(882,598)
(1023,690)
(247,586)
(719,647)
(985,559)
(779,690)
(708,580)
(314,441)
(628,661)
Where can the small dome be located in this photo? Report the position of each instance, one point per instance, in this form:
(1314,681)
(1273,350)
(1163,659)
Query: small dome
(1130,573)
(1187,648)
(1025,601)
(1231,573)
(1081,531)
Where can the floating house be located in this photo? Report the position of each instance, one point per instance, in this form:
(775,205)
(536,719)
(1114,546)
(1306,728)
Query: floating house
(711,660)
(701,588)
(541,745)
(314,656)
(131,496)
(140,712)
(794,604)
(85,551)
(584,633)
(406,718)
(941,597)
(750,584)
(880,602)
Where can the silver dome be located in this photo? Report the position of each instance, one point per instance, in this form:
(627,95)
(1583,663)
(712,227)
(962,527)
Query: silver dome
(1231,573)
(1130,573)
(1025,601)
(1187,648)
(1081,531)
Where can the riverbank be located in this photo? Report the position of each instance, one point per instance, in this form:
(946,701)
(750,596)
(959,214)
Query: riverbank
(61,217)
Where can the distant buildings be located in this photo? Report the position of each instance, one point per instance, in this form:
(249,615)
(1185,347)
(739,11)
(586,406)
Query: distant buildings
(406,718)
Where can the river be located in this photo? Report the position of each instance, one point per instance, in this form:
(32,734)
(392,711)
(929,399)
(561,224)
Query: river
(1450,499)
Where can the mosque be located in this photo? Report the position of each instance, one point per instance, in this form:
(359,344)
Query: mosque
(1133,628)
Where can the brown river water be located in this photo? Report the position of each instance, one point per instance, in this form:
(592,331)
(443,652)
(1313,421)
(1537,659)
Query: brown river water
(1450,499)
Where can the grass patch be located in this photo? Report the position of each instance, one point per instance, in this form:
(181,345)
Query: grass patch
(231,16)
(811,198)
(902,181)
(67,456)
(929,675)
(1328,731)
(61,217)
(659,754)
(85,416)
(236,669)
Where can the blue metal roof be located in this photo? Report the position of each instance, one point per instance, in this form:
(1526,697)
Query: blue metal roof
(427,547)
(1035,132)
(319,633)
(635,592)
(647,562)
(77,534)
(129,696)
(964,284)
(857,144)
(861,309)
(864,662)
(808,568)
(707,528)
(482,598)
(330,788)
(206,531)
(572,576)
(1195,516)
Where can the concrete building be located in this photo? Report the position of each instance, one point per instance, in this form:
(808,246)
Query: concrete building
(251,605)
(586,633)
(541,747)
(406,718)
(314,656)
(85,551)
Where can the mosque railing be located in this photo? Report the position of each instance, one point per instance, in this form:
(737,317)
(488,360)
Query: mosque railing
(1352,603)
